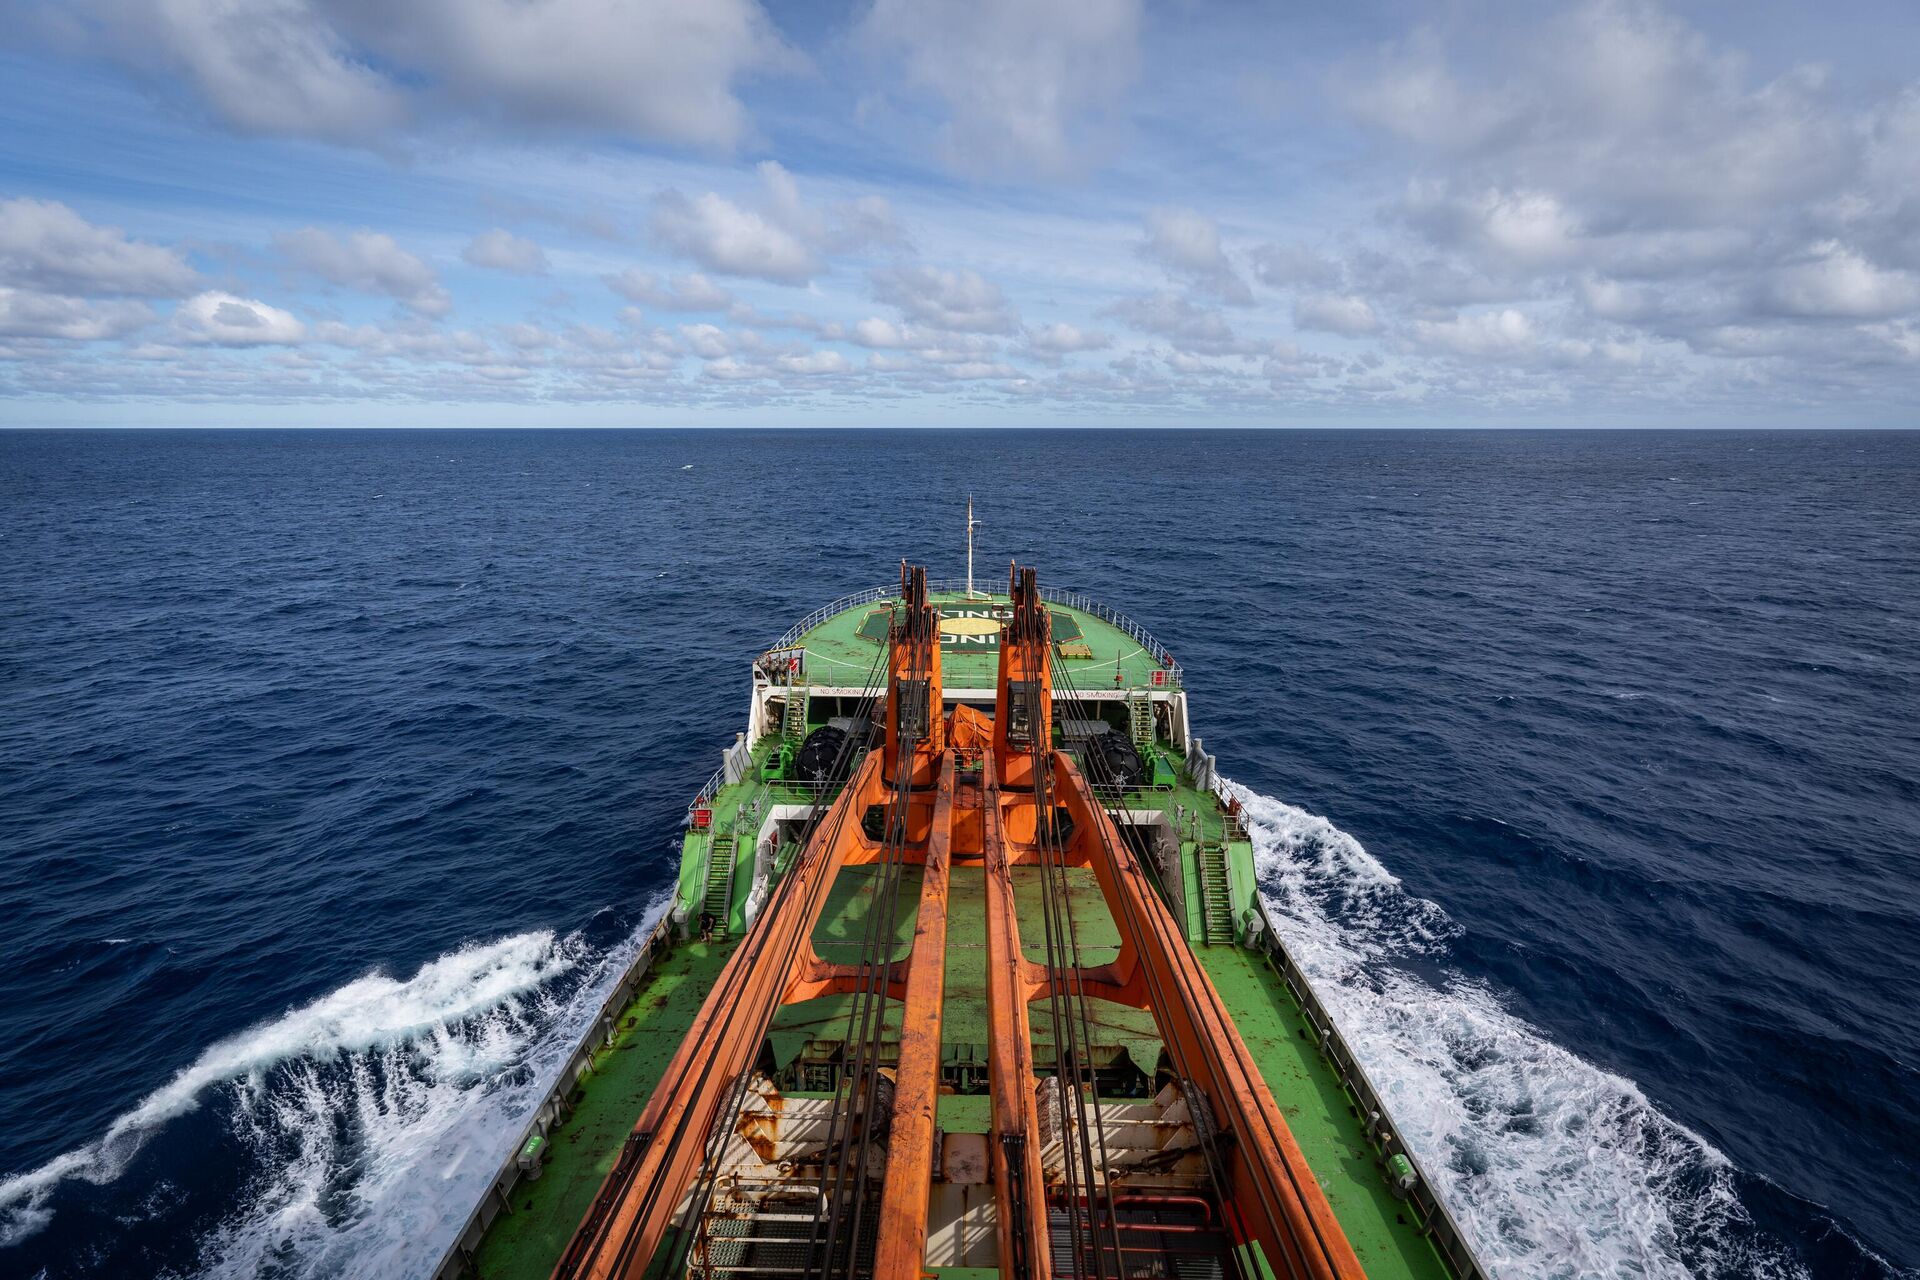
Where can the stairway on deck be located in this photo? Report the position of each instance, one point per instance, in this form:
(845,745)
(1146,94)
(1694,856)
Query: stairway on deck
(1216,893)
(719,900)
(793,720)
(1140,720)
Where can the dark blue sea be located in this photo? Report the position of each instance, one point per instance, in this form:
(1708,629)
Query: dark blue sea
(338,770)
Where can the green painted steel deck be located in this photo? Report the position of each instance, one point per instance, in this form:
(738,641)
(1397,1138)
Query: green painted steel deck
(842,651)
(528,1240)
(1323,1117)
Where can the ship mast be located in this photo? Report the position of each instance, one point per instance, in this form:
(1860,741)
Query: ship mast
(972,524)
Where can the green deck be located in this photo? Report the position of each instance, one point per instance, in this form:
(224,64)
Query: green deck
(529,1240)
(1323,1118)
(841,650)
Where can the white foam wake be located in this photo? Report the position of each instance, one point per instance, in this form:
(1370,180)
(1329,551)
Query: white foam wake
(1554,1167)
(371,1171)
(377,1112)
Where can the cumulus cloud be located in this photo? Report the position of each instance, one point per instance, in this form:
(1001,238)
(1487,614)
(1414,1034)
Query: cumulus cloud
(355,70)
(1287,265)
(1837,283)
(1186,327)
(1335,313)
(369,262)
(1030,87)
(1613,163)
(960,300)
(709,342)
(1063,339)
(25,314)
(881,334)
(46,246)
(815,364)
(689,292)
(1505,332)
(221,319)
(1187,244)
(779,237)
(499,250)
(724,238)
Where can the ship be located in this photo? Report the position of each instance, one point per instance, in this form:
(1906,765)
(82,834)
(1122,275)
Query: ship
(966,975)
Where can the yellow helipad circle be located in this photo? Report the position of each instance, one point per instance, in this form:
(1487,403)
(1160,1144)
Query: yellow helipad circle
(969,627)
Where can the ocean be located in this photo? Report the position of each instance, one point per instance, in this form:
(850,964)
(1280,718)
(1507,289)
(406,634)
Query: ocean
(340,770)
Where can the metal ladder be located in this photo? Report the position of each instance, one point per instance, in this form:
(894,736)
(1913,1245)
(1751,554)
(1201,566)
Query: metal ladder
(1140,719)
(1216,894)
(719,899)
(793,722)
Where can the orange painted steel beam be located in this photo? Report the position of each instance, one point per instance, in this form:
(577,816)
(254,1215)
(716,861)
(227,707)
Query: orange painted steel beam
(900,1252)
(913,681)
(1023,701)
(632,1213)
(774,964)
(1026,1251)
(1275,1196)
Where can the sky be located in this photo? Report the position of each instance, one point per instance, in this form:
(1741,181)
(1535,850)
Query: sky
(959,212)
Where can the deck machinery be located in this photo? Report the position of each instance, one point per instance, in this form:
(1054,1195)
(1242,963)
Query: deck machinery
(967,976)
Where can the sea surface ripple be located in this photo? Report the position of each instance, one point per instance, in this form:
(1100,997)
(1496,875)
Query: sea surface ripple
(339,772)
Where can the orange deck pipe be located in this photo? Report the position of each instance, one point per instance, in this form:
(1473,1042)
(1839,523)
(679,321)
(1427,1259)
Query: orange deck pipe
(1299,1232)
(721,1043)
(1026,1249)
(900,1252)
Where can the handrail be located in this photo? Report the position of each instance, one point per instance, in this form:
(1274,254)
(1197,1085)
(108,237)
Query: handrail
(1175,677)
(555,1105)
(1437,1221)
(708,790)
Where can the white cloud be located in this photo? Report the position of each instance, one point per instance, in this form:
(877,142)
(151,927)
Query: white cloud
(1335,313)
(1187,244)
(1523,228)
(370,262)
(1604,178)
(1029,86)
(960,300)
(881,334)
(1838,283)
(1505,332)
(500,250)
(262,66)
(1195,330)
(1063,339)
(221,319)
(782,239)
(25,314)
(709,342)
(815,364)
(723,237)
(1285,266)
(689,292)
(355,70)
(44,245)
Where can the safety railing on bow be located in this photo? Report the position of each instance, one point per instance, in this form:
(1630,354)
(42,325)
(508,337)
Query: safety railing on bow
(1113,617)
(1071,599)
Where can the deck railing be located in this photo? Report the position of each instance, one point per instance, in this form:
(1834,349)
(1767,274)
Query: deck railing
(555,1106)
(1071,599)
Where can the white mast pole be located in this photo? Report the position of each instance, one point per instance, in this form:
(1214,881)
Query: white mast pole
(969,546)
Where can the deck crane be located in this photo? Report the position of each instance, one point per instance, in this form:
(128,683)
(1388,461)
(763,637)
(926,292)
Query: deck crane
(722,1177)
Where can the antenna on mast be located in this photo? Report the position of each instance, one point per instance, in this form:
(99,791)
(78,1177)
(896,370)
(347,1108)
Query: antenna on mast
(972,524)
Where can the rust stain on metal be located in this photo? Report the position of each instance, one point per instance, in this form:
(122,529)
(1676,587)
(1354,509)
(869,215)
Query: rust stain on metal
(761,1131)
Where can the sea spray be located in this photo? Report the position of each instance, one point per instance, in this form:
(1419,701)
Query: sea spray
(1555,1168)
(442,1027)
(368,1168)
